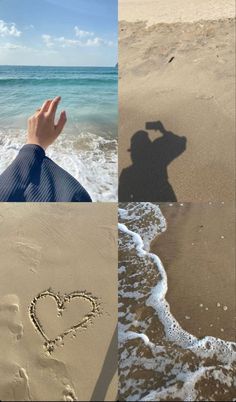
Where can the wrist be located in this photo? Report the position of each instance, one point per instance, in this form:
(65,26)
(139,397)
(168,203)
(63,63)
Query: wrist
(29,142)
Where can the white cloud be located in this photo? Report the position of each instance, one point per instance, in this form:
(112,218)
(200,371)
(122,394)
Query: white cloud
(94,42)
(13,46)
(61,41)
(9,29)
(98,42)
(67,42)
(82,34)
(48,40)
(10,46)
(51,41)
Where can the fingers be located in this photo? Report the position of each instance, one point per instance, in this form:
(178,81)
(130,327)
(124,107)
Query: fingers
(53,107)
(46,105)
(61,123)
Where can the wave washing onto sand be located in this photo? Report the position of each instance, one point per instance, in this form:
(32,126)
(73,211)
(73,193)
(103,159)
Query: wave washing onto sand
(88,157)
(169,363)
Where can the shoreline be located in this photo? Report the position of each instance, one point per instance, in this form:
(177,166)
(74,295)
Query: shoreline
(199,266)
(160,358)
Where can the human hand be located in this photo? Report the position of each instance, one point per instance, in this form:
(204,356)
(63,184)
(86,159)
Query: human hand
(42,129)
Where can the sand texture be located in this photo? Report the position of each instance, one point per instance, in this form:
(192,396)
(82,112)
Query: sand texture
(155,11)
(198,252)
(58,302)
(177,302)
(177,111)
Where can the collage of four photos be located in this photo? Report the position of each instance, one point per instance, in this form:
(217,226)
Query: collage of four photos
(117,200)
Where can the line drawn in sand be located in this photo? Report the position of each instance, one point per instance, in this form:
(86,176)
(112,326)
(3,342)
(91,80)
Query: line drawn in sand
(62,302)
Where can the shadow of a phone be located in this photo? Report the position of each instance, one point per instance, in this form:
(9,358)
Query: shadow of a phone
(154,125)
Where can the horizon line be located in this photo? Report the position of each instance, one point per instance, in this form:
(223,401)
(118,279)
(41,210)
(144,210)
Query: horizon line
(41,65)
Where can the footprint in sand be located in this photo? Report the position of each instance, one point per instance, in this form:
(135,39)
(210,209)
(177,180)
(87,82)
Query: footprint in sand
(43,374)
(13,377)
(10,320)
(69,394)
(30,253)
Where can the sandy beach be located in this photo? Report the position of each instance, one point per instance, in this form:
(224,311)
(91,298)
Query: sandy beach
(154,11)
(177,302)
(177,67)
(58,302)
(198,253)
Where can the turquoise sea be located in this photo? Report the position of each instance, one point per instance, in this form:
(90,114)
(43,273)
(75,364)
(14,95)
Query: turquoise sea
(88,146)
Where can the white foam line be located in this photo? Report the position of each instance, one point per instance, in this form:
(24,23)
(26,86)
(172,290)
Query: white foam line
(125,336)
(205,347)
(186,393)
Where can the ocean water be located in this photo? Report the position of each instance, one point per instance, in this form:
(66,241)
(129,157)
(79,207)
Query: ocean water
(88,146)
(158,359)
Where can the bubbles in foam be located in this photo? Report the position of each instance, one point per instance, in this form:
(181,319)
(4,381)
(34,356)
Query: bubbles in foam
(139,215)
(170,374)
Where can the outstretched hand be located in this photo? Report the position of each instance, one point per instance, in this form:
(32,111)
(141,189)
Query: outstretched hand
(42,129)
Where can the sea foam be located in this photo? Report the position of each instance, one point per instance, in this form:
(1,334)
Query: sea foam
(90,158)
(139,225)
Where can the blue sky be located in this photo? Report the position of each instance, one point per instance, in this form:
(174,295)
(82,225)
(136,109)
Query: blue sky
(58,32)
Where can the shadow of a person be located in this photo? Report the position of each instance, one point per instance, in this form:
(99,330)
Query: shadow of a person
(147,178)
(108,370)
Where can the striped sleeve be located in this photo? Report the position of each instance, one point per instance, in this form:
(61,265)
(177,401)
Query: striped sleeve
(23,170)
(33,177)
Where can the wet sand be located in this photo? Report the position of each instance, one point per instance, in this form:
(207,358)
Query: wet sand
(198,254)
(179,72)
(58,303)
(177,351)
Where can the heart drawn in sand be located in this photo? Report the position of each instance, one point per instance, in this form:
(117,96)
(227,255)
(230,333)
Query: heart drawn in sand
(62,302)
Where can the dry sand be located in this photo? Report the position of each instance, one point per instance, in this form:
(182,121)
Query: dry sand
(182,74)
(68,249)
(198,253)
(154,11)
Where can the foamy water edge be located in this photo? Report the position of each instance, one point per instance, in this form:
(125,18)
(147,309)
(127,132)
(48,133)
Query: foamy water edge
(204,348)
(90,158)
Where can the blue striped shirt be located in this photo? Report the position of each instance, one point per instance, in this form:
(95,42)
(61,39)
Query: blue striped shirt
(33,177)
